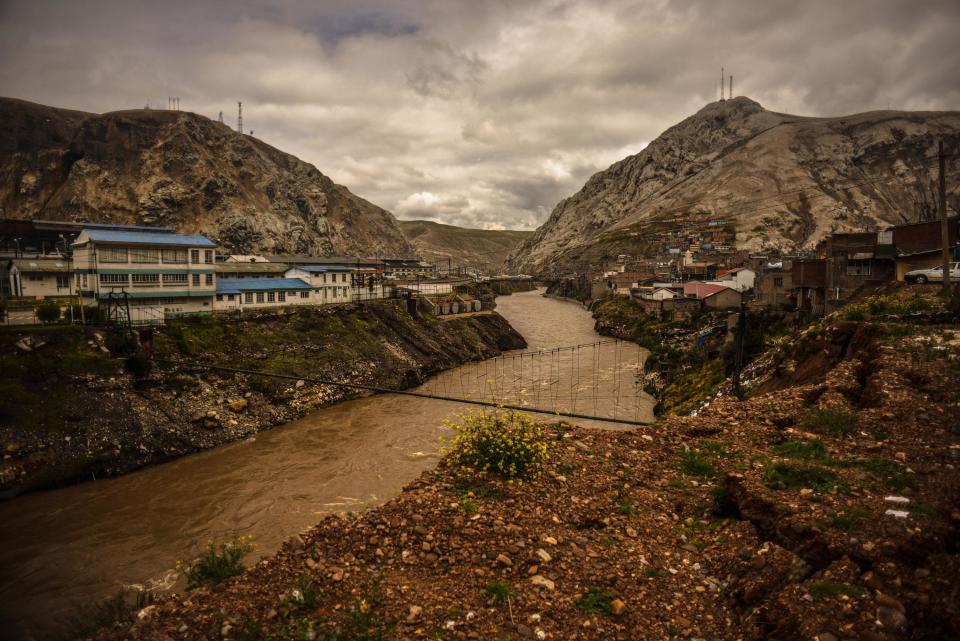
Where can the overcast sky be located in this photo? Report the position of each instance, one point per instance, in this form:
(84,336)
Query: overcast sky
(476,113)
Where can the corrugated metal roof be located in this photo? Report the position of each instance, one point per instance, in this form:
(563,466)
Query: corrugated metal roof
(240,285)
(147,238)
(702,290)
(41,265)
(256,268)
(319,269)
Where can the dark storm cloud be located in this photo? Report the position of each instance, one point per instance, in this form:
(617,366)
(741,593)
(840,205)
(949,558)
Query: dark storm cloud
(482,113)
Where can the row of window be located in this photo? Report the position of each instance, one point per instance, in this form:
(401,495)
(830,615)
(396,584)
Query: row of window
(152,255)
(151,280)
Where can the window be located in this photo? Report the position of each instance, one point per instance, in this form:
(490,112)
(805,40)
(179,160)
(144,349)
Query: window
(196,280)
(146,280)
(112,279)
(35,277)
(304,294)
(248,297)
(220,297)
(778,281)
(208,256)
(270,297)
(83,280)
(174,256)
(174,279)
(281,297)
(113,255)
(230,297)
(209,279)
(259,297)
(858,268)
(63,282)
(195,256)
(145,255)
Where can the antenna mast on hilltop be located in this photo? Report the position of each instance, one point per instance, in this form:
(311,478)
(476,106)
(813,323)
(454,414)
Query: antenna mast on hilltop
(730,93)
(220,118)
(240,117)
(722,76)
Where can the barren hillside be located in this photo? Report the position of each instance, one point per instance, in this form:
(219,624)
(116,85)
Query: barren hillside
(185,171)
(483,249)
(783,181)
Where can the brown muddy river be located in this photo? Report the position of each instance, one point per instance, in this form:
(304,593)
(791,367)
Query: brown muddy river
(63,548)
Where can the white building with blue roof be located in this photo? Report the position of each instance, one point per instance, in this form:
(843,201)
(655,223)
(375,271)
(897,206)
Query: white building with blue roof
(156,271)
(255,293)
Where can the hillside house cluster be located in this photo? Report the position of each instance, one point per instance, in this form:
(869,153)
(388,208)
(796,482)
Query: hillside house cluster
(841,267)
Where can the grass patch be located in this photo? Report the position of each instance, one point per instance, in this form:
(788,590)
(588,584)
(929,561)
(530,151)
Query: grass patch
(826,589)
(788,476)
(217,563)
(627,508)
(835,421)
(694,463)
(812,450)
(468,506)
(848,519)
(498,592)
(891,474)
(596,600)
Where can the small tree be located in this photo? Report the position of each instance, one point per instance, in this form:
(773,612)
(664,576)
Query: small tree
(48,312)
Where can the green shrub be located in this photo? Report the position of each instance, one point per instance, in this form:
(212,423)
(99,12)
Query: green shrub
(833,420)
(217,563)
(848,519)
(856,312)
(468,506)
(627,508)
(596,600)
(510,444)
(788,476)
(48,312)
(498,592)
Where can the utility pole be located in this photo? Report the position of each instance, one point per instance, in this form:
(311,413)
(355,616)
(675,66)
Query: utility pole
(944,229)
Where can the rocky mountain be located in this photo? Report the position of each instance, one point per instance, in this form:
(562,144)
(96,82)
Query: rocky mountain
(179,169)
(481,249)
(781,181)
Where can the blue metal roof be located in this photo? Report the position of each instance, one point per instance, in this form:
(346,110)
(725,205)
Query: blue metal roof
(319,269)
(147,238)
(240,285)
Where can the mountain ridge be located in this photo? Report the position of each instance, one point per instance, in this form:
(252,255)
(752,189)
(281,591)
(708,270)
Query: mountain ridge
(182,170)
(733,152)
(480,249)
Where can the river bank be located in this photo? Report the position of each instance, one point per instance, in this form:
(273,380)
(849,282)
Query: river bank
(822,506)
(80,415)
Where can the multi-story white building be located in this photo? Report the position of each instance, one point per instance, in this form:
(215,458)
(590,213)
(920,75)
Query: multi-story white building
(330,283)
(157,272)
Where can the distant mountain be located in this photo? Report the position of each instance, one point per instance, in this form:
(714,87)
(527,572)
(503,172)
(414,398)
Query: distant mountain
(181,170)
(781,181)
(482,249)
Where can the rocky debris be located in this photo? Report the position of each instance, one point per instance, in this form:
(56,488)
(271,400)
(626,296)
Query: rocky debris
(757,519)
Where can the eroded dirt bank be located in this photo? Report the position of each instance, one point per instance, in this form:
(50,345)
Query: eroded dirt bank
(73,412)
(826,509)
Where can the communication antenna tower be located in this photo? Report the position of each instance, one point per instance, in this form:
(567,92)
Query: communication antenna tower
(240,117)
(220,118)
(730,93)
(722,76)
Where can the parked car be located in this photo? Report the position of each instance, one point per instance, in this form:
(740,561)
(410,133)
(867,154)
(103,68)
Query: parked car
(932,275)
